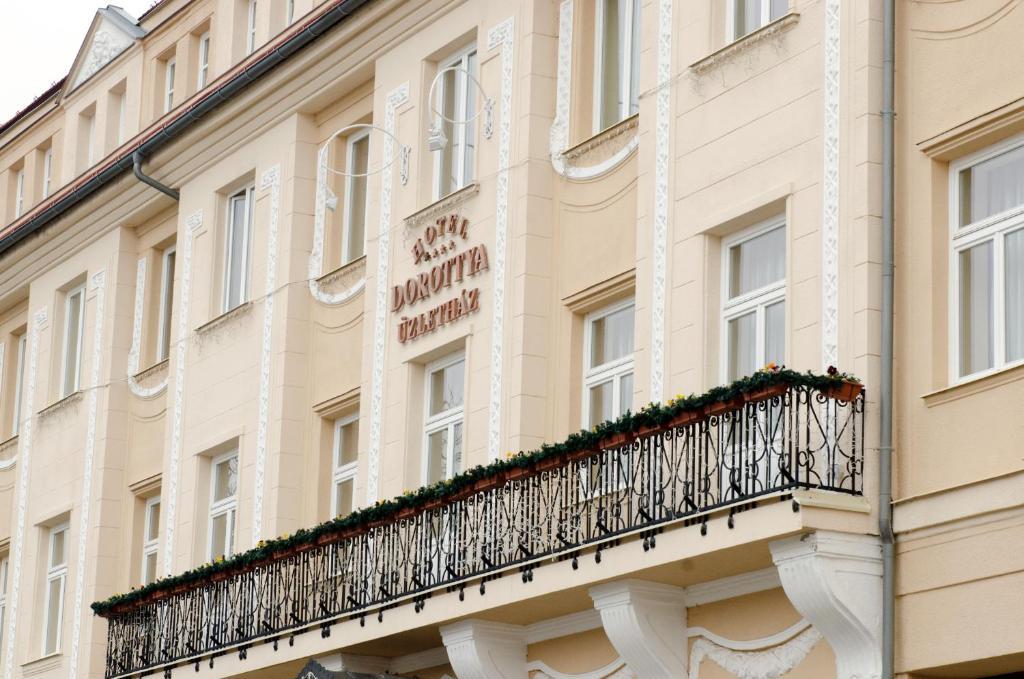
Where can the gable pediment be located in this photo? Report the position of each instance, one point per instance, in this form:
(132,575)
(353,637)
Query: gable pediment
(112,32)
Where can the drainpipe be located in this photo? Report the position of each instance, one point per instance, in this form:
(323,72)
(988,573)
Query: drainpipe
(146,179)
(885,390)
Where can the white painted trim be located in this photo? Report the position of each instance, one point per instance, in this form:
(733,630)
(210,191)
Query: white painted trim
(612,371)
(830,188)
(616,669)
(411,662)
(342,473)
(646,623)
(750,644)
(55,572)
(150,545)
(225,507)
(445,420)
(733,586)
(782,652)
(480,649)
(662,172)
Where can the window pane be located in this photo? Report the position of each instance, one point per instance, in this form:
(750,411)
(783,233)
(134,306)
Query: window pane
(775,333)
(225,479)
(149,568)
(57,557)
(456,448)
(976,309)
(167,305)
(634,61)
(343,494)
(446,387)
(54,594)
(447,181)
(218,536)
(153,522)
(237,244)
(437,456)
(742,345)
(468,131)
(360,157)
(348,444)
(757,262)
(611,62)
(1014,262)
(779,8)
(600,403)
(992,186)
(611,337)
(72,334)
(625,393)
(748,16)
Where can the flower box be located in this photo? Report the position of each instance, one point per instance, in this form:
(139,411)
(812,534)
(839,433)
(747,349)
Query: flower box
(685,418)
(516,473)
(549,463)
(581,454)
(719,407)
(765,393)
(843,390)
(615,440)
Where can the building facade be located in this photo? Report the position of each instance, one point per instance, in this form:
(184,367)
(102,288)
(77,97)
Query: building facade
(314,313)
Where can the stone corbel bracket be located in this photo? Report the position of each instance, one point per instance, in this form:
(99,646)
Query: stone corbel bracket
(479,649)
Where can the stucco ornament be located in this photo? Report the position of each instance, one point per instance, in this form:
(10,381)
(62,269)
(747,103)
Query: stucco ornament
(770,663)
(617,669)
(107,43)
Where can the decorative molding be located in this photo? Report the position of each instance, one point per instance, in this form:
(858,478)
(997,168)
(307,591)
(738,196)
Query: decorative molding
(559,135)
(9,453)
(25,455)
(662,169)
(170,495)
(835,581)
(830,189)
(646,623)
(72,399)
(442,206)
(502,35)
(563,626)
(783,652)
(395,98)
(106,45)
(99,280)
(733,586)
(271,179)
(480,649)
(229,316)
(338,278)
(617,669)
(770,31)
(317,284)
(136,348)
(412,662)
(627,127)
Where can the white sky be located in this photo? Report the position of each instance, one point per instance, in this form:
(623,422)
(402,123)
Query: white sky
(38,41)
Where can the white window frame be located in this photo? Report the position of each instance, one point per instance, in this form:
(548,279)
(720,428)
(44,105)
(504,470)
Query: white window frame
(228,506)
(730,18)
(445,420)
(150,544)
(250,28)
(47,170)
(203,57)
(19,193)
(758,299)
(19,381)
(163,349)
(613,370)
(460,60)
(170,67)
(350,145)
(4,569)
(289,12)
(55,572)
(994,228)
(627,55)
(65,391)
(342,472)
(122,114)
(248,194)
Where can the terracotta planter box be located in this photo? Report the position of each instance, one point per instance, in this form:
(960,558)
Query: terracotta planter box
(843,390)
(579,455)
(406,512)
(549,463)
(765,393)
(615,440)
(719,407)
(516,473)
(686,417)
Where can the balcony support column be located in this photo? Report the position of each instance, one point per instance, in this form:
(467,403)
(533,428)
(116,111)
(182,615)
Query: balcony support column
(480,649)
(646,623)
(835,581)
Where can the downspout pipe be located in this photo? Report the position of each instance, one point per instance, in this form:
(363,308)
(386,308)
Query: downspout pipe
(885,451)
(146,179)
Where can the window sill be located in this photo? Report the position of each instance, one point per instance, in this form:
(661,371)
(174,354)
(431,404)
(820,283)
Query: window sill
(152,371)
(239,311)
(8,453)
(970,386)
(64,403)
(42,665)
(356,268)
(575,153)
(442,205)
(770,30)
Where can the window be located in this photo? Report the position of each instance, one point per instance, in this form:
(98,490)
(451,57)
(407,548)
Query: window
(443,425)
(204,61)
(250,29)
(19,378)
(750,15)
(754,290)
(163,349)
(56,579)
(150,539)
(358,155)
(223,505)
(86,139)
(346,460)
(122,115)
(47,170)
(169,68)
(290,12)
(4,567)
(987,263)
(74,317)
(608,363)
(19,193)
(455,108)
(617,62)
(236,269)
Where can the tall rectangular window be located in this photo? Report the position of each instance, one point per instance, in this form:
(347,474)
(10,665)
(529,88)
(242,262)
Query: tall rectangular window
(204,61)
(74,325)
(754,294)
(617,62)
(345,464)
(122,116)
(608,363)
(289,12)
(358,158)
(47,171)
(169,68)
(750,15)
(454,105)
(987,262)
(238,243)
(223,505)
(4,567)
(19,193)
(445,384)
(163,348)
(56,580)
(19,383)
(86,152)
(250,28)
(150,539)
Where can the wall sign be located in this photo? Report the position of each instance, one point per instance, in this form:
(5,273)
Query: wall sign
(452,264)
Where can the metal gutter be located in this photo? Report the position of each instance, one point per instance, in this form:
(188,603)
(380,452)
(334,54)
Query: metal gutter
(247,74)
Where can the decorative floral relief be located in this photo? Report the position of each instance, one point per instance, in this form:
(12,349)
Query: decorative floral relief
(770,663)
(106,45)
(614,670)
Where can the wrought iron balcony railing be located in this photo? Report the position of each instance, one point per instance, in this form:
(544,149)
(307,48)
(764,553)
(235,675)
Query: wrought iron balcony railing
(795,437)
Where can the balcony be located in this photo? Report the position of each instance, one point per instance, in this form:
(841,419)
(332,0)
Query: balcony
(757,441)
